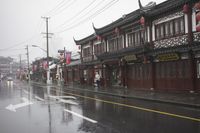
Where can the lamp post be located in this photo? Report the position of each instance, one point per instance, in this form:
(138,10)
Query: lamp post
(39,48)
(48,70)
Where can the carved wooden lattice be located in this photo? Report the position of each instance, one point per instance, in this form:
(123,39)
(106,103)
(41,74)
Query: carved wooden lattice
(171,42)
(197,37)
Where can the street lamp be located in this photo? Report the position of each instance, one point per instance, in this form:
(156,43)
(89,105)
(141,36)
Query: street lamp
(48,70)
(39,48)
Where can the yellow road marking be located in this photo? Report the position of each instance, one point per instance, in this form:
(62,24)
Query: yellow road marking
(137,107)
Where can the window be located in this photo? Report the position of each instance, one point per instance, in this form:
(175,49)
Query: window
(182,25)
(99,48)
(157,32)
(86,52)
(116,43)
(161,31)
(176,27)
(170,28)
(137,38)
(167,29)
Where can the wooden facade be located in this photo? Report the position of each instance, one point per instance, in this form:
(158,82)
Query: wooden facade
(158,49)
(72,72)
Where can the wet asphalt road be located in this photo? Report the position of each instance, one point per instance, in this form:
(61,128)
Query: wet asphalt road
(41,109)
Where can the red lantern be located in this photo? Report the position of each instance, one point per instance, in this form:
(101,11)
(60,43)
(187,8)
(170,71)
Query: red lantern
(116,30)
(198,28)
(186,8)
(198,16)
(79,47)
(197,6)
(99,38)
(142,20)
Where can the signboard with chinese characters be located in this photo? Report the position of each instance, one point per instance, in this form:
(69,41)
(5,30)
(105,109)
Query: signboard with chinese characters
(129,58)
(168,57)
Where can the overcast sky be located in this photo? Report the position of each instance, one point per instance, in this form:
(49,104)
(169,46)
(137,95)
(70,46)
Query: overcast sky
(21,23)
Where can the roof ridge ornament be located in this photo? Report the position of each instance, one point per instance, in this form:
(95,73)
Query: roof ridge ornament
(74,40)
(94,27)
(147,7)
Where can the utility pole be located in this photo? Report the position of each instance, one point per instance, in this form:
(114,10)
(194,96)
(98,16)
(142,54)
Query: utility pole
(28,63)
(47,40)
(20,66)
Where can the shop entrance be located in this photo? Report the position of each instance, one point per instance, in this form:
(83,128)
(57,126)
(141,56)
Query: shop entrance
(115,76)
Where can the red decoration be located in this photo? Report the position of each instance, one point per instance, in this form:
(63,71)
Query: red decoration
(45,64)
(116,30)
(186,9)
(68,57)
(99,37)
(197,6)
(142,20)
(198,28)
(198,16)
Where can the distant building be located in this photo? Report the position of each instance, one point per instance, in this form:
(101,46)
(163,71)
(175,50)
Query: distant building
(39,69)
(8,67)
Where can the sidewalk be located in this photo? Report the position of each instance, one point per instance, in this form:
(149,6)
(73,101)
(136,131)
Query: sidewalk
(182,99)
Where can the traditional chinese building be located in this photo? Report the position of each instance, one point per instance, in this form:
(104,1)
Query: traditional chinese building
(39,69)
(155,47)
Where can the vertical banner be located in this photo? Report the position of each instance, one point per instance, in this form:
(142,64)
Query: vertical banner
(45,64)
(68,57)
(34,67)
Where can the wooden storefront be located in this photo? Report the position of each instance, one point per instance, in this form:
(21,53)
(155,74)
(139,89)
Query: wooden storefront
(173,75)
(139,76)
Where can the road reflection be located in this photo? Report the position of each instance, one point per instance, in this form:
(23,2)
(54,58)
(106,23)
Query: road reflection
(111,118)
(10,84)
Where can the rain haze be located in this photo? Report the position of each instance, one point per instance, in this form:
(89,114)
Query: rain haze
(100,66)
(21,23)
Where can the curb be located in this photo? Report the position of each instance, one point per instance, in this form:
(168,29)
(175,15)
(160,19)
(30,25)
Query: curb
(139,98)
(126,96)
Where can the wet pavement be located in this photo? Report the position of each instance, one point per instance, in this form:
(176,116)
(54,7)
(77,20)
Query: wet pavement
(177,98)
(57,110)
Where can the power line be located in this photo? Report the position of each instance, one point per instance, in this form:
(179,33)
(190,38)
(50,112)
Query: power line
(70,4)
(59,5)
(85,14)
(77,14)
(91,16)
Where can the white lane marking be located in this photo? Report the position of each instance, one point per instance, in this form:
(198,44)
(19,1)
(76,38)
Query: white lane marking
(52,96)
(69,97)
(58,97)
(13,108)
(68,101)
(38,98)
(86,118)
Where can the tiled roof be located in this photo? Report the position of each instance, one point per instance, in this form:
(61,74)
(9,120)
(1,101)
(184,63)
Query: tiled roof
(134,16)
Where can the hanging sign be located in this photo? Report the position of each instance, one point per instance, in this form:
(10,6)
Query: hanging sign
(168,57)
(68,57)
(130,58)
